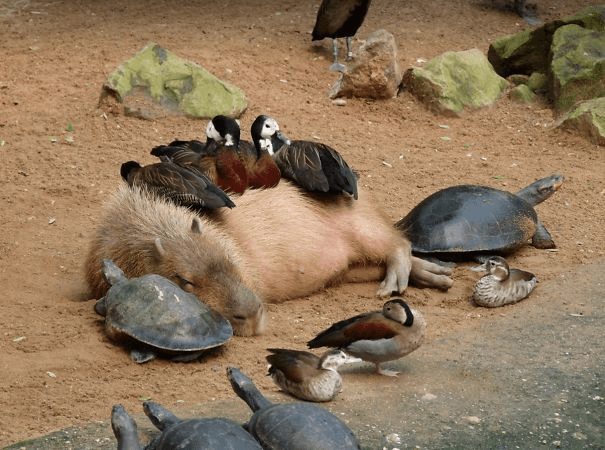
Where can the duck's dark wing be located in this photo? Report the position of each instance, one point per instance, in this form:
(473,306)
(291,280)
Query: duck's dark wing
(367,326)
(192,145)
(179,185)
(316,167)
(340,176)
(295,364)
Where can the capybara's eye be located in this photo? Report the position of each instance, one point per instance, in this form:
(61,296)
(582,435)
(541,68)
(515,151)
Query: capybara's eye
(184,283)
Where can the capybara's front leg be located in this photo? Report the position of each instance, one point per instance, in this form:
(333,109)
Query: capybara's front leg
(427,274)
(397,273)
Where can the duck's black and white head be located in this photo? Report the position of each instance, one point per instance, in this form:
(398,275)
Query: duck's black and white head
(267,135)
(399,311)
(223,129)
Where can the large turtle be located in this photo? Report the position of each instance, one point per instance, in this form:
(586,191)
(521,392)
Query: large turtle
(292,426)
(472,218)
(154,316)
(189,434)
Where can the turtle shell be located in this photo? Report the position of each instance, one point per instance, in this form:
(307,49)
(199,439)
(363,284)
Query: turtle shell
(204,434)
(469,218)
(156,312)
(300,426)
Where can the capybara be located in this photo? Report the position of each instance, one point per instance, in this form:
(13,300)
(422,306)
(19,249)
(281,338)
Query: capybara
(278,243)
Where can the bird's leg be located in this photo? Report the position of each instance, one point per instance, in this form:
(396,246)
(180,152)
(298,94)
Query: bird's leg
(386,372)
(349,51)
(336,66)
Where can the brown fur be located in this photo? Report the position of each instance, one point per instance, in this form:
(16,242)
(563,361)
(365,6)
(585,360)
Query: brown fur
(145,234)
(296,243)
(281,242)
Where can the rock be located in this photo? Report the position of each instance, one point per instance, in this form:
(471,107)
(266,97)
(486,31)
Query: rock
(537,81)
(376,73)
(529,51)
(578,66)
(155,83)
(522,93)
(588,118)
(454,80)
(517,79)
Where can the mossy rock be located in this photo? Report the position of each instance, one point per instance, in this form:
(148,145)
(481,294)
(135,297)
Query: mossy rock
(155,82)
(578,66)
(455,80)
(537,81)
(588,119)
(529,51)
(522,93)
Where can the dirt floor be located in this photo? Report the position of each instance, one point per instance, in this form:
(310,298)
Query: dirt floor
(57,368)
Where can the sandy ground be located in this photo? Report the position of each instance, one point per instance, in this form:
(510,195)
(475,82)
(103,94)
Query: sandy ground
(56,366)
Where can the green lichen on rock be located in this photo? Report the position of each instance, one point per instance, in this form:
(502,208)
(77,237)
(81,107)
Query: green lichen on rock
(578,66)
(155,79)
(529,51)
(588,118)
(522,93)
(454,80)
(537,81)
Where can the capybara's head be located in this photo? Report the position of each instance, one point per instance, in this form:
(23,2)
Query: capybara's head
(205,268)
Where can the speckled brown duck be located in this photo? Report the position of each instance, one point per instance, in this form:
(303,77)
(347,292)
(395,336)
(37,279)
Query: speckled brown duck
(307,376)
(502,285)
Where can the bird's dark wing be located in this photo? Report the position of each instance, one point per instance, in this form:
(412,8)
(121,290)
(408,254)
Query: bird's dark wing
(338,173)
(301,163)
(180,185)
(295,364)
(367,326)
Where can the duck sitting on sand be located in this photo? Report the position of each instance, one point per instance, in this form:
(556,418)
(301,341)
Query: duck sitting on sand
(502,285)
(308,376)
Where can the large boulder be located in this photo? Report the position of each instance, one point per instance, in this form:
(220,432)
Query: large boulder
(578,66)
(376,73)
(155,82)
(588,118)
(529,51)
(455,80)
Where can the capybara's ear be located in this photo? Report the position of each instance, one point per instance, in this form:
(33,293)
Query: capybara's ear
(196,225)
(158,250)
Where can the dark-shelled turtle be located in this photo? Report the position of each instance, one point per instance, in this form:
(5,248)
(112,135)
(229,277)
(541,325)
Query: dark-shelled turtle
(153,316)
(472,218)
(187,434)
(292,426)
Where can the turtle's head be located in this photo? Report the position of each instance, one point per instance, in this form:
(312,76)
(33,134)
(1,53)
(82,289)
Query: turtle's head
(541,189)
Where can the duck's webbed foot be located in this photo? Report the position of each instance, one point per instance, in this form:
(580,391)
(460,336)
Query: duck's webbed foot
(386,372)
(397,273)
(428,274)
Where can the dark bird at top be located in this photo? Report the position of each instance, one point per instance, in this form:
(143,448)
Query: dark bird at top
(218,158)
(313,166)
(338,19)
